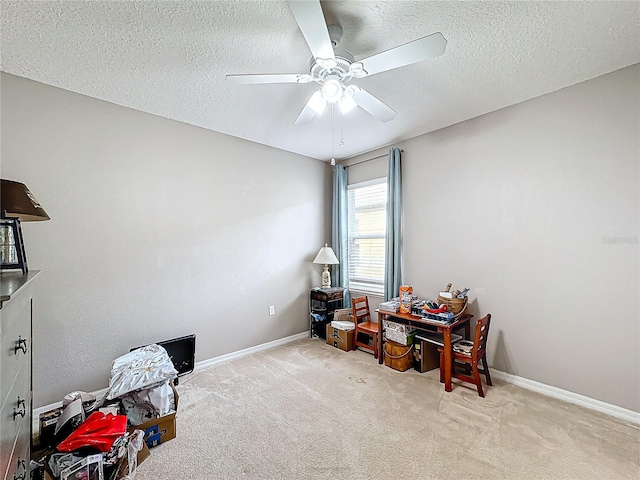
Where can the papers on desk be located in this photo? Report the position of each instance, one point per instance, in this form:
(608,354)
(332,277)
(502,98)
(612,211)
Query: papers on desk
(390,306)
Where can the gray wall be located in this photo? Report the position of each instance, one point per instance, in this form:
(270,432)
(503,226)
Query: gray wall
(537,206)
(158,229)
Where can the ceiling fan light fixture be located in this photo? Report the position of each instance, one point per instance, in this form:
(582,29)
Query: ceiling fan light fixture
(332,89)
(317,102)
(347,103)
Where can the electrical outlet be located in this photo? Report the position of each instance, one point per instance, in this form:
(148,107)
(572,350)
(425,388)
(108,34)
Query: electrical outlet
(272,310)
(479,291)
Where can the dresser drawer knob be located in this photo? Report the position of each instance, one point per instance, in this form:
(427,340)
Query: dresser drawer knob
(23,464)
(21,344)
(22,410)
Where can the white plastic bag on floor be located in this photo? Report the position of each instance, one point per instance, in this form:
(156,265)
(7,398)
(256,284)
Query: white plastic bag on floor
(143,368)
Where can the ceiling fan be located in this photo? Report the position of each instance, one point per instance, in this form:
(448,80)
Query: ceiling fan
(334,68)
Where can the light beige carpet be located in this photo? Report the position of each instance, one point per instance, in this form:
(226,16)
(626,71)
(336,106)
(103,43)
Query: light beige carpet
(310,411)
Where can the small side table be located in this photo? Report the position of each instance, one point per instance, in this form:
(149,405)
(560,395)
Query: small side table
(323,302)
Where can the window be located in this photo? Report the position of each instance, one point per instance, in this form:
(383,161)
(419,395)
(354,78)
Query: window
(367,205)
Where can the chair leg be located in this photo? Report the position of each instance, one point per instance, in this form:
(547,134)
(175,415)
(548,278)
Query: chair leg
(441,367)
(486,370)
(375,346)
(476,377)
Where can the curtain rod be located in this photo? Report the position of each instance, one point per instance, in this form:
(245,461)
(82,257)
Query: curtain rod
(369,159)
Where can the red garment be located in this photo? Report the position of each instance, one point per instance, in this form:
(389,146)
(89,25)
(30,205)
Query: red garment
(98,431)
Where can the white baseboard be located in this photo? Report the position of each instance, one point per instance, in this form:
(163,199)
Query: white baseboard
(249,351)
(198,366)
(567,396)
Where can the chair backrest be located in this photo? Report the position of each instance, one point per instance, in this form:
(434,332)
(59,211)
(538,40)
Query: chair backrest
(360,307)
(480,337)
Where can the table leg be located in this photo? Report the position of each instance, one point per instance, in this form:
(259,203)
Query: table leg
(380,351)
(447,360)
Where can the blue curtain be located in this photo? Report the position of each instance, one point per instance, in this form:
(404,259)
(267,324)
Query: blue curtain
(339,239)
(393,244)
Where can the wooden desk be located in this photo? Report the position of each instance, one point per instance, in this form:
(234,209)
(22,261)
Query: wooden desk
(420,322)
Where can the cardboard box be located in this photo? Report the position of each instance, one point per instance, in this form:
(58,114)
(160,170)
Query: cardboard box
(428,356)
(341,339)
(159,430)
(405,294)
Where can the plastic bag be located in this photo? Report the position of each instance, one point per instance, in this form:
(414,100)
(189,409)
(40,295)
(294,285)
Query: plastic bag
(136,442)
(98,431)
(89,401)
(116,452)
(60,461)
(148,404)
(143,368)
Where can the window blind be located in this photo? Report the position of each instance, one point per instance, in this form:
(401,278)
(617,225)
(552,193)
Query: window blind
(367,204)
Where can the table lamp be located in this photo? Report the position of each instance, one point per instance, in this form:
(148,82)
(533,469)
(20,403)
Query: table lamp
(17,204)
(327,257)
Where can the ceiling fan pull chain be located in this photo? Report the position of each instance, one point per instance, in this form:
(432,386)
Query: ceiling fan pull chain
(333,157)
(341,144)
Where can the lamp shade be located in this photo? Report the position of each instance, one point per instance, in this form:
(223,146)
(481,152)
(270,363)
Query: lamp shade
(16,201)
(326,256)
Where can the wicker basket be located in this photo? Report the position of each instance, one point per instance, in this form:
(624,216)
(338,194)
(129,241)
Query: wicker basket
(457,306)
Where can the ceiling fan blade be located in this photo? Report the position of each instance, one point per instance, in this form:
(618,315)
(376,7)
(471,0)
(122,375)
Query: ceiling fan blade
(305,116)
(375,107)
(314,106)
(412,52)
(270,78)
(310,19)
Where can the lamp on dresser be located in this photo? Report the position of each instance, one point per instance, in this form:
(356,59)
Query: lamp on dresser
(17,204)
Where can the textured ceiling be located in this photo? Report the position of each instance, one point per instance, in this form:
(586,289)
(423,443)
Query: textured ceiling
(171,58)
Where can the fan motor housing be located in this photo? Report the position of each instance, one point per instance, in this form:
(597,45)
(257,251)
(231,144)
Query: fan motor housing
(344,60)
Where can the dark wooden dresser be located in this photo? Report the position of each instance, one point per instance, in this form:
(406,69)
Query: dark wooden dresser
(16,302)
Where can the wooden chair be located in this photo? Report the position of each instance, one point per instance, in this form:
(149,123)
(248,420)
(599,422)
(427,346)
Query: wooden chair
(363,324)
(470,353)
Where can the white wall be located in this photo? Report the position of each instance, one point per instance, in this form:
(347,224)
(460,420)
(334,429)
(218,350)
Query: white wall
(158,229)
(538,206)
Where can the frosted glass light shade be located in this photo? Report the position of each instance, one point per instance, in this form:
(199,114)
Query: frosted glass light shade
(332,89)
(317,102)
